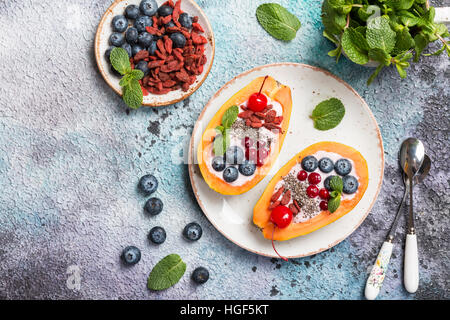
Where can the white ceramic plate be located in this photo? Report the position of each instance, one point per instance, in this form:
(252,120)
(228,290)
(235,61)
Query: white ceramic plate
(232,215)
(104,31)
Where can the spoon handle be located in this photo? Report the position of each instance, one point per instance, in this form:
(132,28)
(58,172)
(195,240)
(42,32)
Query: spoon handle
(411,264)
(379,269)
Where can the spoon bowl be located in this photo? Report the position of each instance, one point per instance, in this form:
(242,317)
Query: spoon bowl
(412,153)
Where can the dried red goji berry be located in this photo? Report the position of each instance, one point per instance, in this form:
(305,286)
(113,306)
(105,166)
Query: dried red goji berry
(168,45)
(197,27)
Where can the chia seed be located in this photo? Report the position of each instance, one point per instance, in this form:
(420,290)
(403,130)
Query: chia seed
(309,206)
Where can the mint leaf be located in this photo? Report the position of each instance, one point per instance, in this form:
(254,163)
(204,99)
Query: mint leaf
(336,184)
(132,94)
(125,81)
(420,43)
(328,114)
(408,18)
(230,116)
(355,46)
(404,41)
(380,35)
(380,56)
(137,74)
(334,203)
(400,4)
(219,142)
(375,74)
(277,21)
(120,60)
(166,273)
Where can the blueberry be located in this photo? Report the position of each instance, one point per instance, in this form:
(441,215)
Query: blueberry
(132,35)
(148,184)
(131,255)
(326,183)
(192,231)
(230,174)
(152,48)
(143,66)
(218,163)
(115,72)
(142,22)
(157,235)
(343,167)
(132,11)
(247,168)
(326,165)
(165,10)
(135,49)
(200,275)
(153,206)
(119,23)
(116,39)
(108,52)
(234,155)
(127,48)
(351,184)
(178,40)
(185,20)
(169,25)
(149,7)
(309,163)
(145,39)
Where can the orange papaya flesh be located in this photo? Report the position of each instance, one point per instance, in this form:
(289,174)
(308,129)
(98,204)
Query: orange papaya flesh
(261,213)
(275,91)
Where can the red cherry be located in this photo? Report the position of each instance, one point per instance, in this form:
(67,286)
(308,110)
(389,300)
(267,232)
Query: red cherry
(323,205)
(281,216)
(247,142)
(302,175)
(257,102)
(314,178)
(324,194)
(312,191)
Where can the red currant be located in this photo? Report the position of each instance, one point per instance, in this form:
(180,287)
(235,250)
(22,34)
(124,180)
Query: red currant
(324,194)
(281,216)
(247,142)
(262,156)
(257,102)
(323,205)
(312,191)
(302,175)
(314,178)
(251,154)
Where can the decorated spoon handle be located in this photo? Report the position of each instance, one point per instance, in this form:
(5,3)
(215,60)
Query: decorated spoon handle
(442,15)
(411,264)
(376,277)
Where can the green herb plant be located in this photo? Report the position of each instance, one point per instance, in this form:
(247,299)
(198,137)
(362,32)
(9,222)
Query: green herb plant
(222,138)
(337,185)
(384,31)
(132,91)
(166,273)
(328,114)
(277,21)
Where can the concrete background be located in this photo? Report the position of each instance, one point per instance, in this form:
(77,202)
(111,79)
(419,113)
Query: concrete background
(71,155)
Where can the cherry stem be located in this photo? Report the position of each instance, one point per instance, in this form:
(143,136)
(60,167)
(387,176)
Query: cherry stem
(262,85)
(273,245)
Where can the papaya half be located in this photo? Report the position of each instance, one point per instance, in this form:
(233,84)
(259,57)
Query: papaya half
(273,90)
(262,213)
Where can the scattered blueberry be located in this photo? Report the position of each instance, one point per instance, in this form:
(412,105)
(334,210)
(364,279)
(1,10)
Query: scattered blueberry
(165,10)
(234,155)
(169,25)
(157,235)
(192,231)
(152,48)
(116,39)
(326,165)
(153,206)
(230,174)
(351,184)
(149,7)
(143,66)
(127,48)
(309,163)
(108,52)
(148,184)
(135,49)
(178,39)
(132,11)
(343,167)
(142,22)
(218,163)
(132,35)
(326,183)
(185,20)
(131,255)
(200,275)
(115,72)
(145,39)
(247,168)
(119,23)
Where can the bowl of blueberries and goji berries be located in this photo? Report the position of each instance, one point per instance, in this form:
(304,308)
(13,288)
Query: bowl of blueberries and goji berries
(171,42)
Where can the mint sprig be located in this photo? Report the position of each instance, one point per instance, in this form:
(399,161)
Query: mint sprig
(166,273)
(328,114)
(132,91)
(277,21)
(336,185)
(222,138)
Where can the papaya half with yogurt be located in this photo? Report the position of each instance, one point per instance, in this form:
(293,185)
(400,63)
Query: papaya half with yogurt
(259,156)
(290,176)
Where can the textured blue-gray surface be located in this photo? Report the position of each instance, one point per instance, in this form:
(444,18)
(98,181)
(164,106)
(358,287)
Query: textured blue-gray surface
(71,156)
